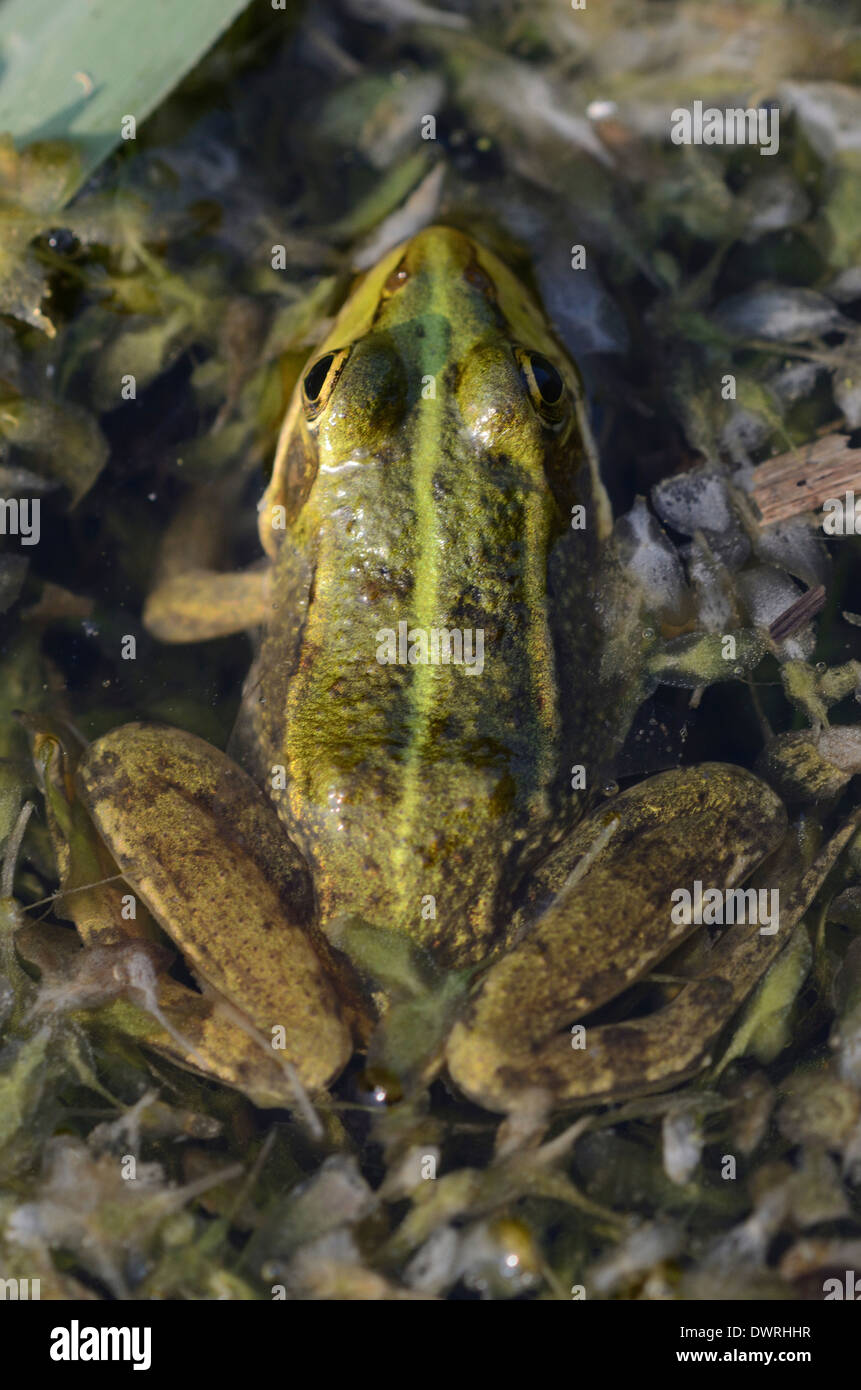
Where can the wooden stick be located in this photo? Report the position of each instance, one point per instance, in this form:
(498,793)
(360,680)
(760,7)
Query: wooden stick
(802,480)
(798,614)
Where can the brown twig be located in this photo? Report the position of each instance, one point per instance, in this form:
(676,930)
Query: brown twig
(798,614)
(802,480)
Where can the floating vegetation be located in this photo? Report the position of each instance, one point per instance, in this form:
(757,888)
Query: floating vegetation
(160,297)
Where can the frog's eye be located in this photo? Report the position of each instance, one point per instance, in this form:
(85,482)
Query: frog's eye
(319,380)
(545,385)
(547,380)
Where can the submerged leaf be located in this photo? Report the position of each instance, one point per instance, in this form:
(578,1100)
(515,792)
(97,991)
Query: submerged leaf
(785,314)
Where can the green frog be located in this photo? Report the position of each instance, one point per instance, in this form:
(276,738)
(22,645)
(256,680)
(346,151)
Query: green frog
(436,703)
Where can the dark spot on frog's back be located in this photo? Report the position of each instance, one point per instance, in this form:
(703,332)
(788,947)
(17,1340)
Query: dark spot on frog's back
(469,610)
(387,583)
(448,378)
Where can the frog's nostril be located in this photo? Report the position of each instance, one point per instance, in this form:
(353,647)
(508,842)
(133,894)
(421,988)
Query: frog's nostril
(480,280)
(396,281)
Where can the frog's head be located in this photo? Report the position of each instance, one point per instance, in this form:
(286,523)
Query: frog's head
(439,319)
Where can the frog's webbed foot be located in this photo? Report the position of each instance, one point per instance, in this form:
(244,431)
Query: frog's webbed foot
(608,927)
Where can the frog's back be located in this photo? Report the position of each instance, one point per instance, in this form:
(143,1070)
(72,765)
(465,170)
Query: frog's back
(409,683)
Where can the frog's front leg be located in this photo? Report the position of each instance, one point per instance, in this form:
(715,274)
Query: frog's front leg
(192,598)
(608,926)
(200,604)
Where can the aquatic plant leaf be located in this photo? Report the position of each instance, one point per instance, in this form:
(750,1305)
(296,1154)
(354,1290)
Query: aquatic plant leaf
(75,71)
(829,114)
(763,1028)
(34,185)
(22,1076)
(784,314)
(65,439)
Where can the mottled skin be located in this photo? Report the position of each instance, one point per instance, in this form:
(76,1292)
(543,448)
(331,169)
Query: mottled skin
(427,475)
(444,511)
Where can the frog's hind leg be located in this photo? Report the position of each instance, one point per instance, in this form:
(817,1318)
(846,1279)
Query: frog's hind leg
(607,927)
(203,849)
